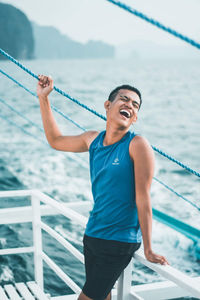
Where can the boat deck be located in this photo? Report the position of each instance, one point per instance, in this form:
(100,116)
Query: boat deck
(19,291)
(28,291)
(31,291)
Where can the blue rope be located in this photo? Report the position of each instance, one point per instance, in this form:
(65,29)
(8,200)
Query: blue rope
(67,117)
(25,131)
(155,23)
(176,161)
(21,115)
(99,115)
(177,194)
(55,88)
(35,95)
(74,157)
(18,83)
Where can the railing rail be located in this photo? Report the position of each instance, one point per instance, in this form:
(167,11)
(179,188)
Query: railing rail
(17,250)
(61,274)
(37,241)
(125,291)
(63,242)
(38,197)
(171,274)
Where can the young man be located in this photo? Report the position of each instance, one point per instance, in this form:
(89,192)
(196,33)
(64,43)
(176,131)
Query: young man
(121,169)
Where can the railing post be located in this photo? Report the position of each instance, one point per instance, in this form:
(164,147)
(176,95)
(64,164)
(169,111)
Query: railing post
(37,241)
(124,283)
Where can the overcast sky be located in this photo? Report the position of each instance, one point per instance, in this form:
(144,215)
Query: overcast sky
(83,20)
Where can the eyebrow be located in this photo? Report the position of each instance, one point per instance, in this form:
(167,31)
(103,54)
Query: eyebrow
(123,96)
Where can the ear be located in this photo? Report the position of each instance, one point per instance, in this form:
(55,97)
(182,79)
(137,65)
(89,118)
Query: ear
(135,119)
(107,105)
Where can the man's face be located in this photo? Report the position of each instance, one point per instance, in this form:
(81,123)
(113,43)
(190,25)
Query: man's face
(124,109)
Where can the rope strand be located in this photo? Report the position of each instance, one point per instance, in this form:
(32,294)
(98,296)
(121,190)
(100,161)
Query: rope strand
(156,23)
(21,115)
(71,155)
(177,194)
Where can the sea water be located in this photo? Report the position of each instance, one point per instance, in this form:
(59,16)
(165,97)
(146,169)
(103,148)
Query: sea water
(169,119)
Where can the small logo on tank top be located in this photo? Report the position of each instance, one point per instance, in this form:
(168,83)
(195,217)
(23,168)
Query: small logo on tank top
(116,161)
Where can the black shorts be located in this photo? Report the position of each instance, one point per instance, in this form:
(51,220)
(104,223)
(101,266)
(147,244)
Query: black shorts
(104,262)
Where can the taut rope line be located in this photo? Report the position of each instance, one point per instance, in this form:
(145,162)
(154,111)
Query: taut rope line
(156,23)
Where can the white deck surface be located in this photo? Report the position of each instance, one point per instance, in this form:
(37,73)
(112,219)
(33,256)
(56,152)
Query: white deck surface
(25,291)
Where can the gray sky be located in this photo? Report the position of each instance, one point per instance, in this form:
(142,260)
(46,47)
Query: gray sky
(83,20)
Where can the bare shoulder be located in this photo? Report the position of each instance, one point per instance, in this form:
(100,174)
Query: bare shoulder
(89,136)
(139,145)
(139,141)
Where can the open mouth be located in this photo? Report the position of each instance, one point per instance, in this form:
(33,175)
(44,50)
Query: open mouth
(125,113)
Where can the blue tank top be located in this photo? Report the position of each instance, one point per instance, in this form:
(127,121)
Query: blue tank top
(114,214)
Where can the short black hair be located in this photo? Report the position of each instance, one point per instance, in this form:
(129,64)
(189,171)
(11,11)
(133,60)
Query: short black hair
(114,92)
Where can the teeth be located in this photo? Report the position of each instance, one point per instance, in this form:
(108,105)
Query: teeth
(126,111)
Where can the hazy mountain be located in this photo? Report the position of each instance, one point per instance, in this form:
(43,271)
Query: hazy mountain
(16,36)
(51,43)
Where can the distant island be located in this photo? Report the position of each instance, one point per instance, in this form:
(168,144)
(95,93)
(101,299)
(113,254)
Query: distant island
(25,40)
(16,35)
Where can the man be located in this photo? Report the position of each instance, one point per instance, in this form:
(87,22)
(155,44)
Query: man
(121,169)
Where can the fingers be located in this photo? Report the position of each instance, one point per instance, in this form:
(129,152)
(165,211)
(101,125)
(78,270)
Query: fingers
(162,260)
(45,81)
(155,258)
(45,86)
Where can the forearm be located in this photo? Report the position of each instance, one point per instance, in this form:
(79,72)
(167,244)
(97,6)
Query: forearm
(50,126)
(145,220)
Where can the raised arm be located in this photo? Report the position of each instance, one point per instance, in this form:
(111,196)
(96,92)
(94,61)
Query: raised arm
(77,143)
(143,158)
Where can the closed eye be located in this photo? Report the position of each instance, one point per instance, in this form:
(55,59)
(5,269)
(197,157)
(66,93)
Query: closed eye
(126,99)
(135,104)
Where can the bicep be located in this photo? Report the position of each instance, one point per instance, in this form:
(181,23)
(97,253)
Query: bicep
(75,143)
(144,161)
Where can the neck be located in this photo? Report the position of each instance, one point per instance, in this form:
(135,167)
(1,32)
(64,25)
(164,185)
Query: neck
(113,135)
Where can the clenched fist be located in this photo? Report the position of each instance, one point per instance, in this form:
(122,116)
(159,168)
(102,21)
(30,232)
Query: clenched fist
(44,86)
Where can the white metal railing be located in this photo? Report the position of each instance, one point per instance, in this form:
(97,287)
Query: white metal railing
(178,284)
